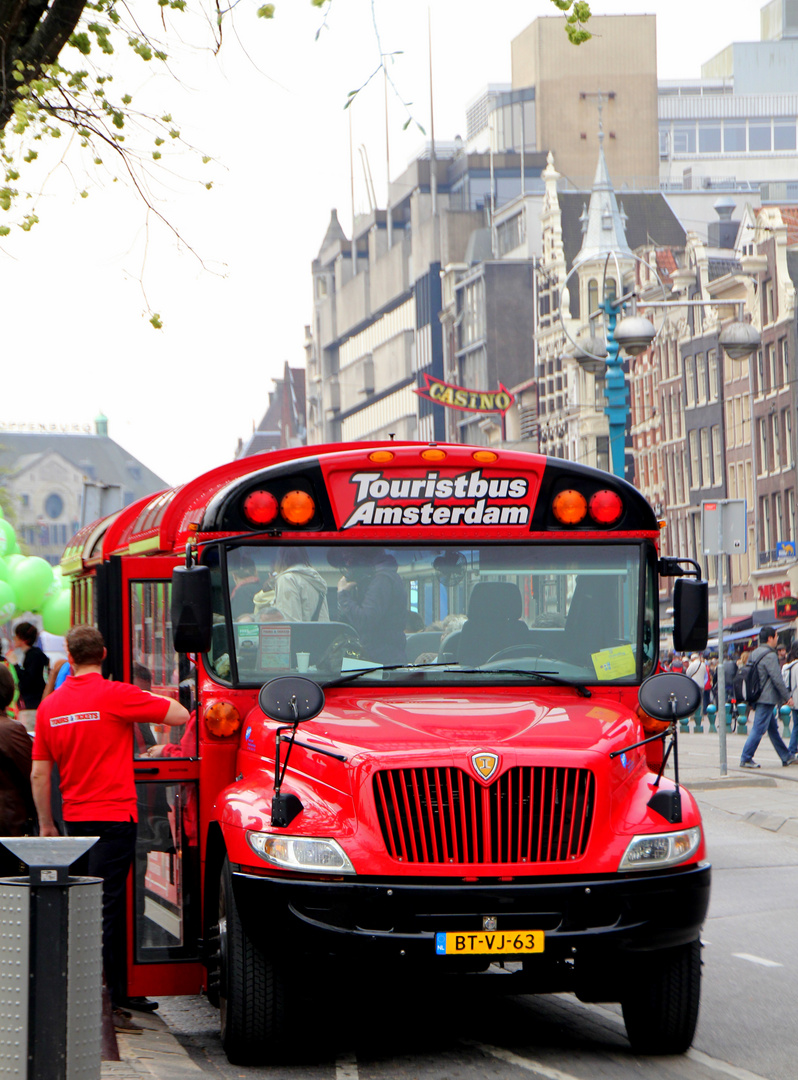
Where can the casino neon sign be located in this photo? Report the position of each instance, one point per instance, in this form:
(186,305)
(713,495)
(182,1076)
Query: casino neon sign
(460,397)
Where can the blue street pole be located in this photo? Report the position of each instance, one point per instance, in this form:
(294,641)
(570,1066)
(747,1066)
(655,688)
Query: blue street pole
(616,392)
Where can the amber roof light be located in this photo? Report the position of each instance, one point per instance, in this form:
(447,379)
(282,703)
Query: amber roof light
(297,507)
(569,507)
(379,457)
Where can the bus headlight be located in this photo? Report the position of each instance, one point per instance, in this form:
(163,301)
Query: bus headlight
(313,854)
(656,850)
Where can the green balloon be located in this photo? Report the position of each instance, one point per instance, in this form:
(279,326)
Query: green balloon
(5,573)
(31,579)
(8,601)
(56,585)
(13,561)
(56,613)
(8,540)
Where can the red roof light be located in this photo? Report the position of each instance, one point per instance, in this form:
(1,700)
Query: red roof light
(605,507)
(260,507)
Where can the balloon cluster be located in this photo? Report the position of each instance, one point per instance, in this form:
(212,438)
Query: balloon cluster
(28,583)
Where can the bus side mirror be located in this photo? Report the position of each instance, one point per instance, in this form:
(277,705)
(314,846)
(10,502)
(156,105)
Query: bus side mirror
(690,615)
(192,615)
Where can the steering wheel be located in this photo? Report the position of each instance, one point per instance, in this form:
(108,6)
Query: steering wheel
(515,650)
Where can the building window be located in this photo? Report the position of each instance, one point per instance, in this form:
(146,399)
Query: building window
(717,456)
(789,457)
(684,139)
(53,506)
(764,515)
(712,366)
(695,467)
(706,460)
(773,367)
(731,433)
(709,138)
(776,440)
(689,372)
(785,362)
(734,137)
(784,135)
(778,517)
(759,374)
(759,136)
(791,514)
(701,379)
(764,452)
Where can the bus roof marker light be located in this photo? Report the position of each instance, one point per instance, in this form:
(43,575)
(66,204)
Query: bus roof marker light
(569,507)
(605,507)
(485,457)
(433,455)
(380,457)
(260,507)
(297,507)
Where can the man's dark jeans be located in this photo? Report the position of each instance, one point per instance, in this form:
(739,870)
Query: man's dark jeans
(109,859)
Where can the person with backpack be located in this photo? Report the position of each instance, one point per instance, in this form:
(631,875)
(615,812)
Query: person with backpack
(790,675)
(766,690)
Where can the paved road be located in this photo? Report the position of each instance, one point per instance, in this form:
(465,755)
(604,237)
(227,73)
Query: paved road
(414,1033)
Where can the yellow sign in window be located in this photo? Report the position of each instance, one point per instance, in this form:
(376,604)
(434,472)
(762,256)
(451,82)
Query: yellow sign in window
(614,663)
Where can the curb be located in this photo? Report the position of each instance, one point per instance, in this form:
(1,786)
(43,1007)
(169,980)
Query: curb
(723,782)
(153,1053)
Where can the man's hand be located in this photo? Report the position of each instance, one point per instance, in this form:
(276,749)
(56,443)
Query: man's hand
(48,830)
(344,583)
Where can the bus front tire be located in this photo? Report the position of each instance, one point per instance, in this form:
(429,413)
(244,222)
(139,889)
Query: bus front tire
(661,1009)
(252,998)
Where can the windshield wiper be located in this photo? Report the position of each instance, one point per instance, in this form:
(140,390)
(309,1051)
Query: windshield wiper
(546,676)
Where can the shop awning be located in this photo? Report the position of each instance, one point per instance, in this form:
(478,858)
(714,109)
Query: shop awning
(743,635)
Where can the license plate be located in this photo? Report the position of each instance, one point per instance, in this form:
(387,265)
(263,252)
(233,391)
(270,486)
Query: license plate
(497,942)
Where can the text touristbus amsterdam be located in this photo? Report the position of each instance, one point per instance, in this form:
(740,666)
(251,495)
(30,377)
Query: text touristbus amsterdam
(416,740)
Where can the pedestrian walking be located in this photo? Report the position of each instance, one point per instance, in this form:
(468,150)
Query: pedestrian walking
(31,664)
(86,729)
(789,674)
(774,692)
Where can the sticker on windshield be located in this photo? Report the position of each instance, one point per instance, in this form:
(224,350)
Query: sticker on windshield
(614,663)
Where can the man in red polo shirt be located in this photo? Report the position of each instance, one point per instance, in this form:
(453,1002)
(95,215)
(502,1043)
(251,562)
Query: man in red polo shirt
(86,728)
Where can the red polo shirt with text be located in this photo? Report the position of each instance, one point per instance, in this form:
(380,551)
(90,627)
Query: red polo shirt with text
(86,728)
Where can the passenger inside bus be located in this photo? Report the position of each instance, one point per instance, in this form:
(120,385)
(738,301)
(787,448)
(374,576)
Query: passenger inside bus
(505,610)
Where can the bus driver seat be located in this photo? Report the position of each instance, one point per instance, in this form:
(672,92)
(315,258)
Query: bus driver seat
(493,623)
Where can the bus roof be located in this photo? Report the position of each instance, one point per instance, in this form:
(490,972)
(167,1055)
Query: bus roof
(359,489)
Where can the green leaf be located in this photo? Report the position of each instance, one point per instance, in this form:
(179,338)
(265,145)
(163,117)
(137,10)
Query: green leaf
(4,230)
(266,12)
(81,42)
(155,320)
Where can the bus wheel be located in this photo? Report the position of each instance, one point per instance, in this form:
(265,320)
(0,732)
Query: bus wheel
(661,1008)
(251,989)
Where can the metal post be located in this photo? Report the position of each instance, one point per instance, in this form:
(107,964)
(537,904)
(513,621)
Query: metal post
(721,674)
(616,408)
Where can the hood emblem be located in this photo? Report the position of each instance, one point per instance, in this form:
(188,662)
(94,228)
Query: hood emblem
(485,764)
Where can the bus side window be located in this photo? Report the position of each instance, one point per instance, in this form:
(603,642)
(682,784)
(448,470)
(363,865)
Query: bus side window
(153,660)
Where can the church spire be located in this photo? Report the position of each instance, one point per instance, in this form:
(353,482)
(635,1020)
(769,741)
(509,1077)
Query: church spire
(603,225)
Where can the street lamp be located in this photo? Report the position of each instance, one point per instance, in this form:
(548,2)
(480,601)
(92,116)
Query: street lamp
(633,334)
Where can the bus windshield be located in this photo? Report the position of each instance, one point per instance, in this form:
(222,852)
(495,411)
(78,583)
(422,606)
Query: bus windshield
(444,614)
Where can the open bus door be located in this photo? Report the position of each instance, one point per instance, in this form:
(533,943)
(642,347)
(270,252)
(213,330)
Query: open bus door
(164,889)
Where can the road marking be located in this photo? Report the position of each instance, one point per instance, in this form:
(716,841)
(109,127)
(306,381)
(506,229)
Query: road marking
(346,1067)
(756,959)
(722,1066)
(698,1056)
(521,1062)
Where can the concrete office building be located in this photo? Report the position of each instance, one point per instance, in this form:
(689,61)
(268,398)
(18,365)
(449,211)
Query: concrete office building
(376,330)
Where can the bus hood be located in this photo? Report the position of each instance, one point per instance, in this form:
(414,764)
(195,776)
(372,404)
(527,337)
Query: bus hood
(354,722)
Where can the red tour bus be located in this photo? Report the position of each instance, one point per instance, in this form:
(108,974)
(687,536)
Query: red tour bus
(426,732)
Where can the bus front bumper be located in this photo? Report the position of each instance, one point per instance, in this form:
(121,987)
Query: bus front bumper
(380,920)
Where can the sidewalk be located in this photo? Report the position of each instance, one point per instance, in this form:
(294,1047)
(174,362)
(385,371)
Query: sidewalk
(153,1053)
(767,798)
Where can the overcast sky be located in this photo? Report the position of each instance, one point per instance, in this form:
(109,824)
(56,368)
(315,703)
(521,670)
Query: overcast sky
(76,337)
